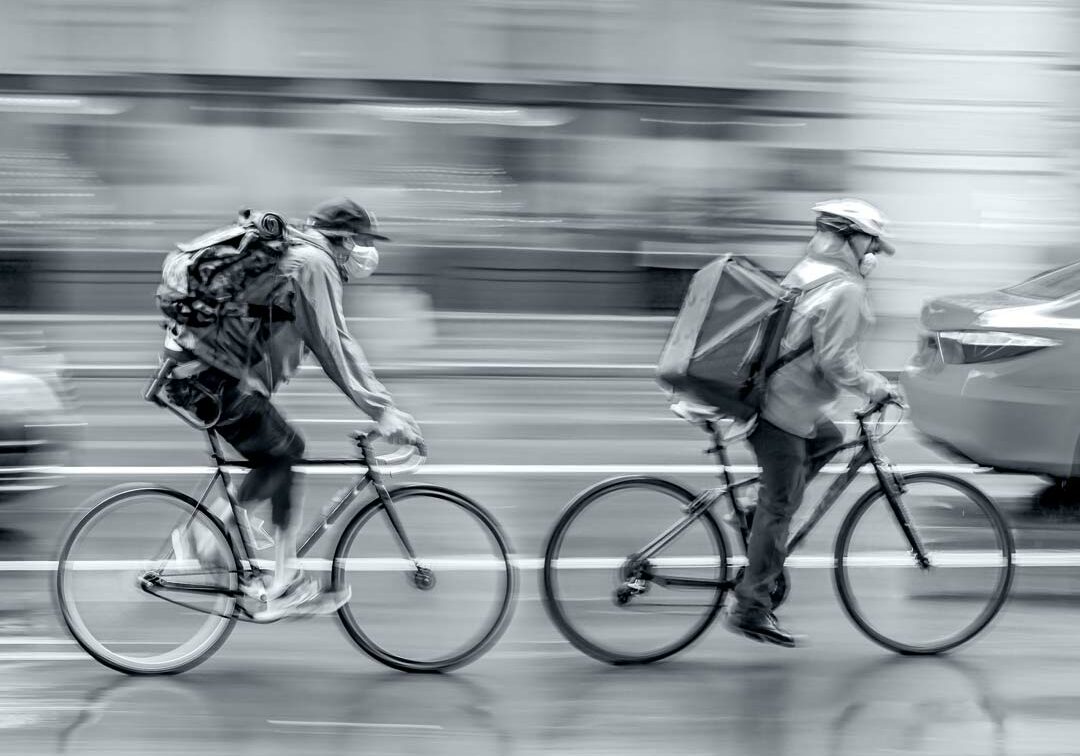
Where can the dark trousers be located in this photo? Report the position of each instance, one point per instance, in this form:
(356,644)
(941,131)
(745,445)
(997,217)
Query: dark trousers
(253,426)
(786,468)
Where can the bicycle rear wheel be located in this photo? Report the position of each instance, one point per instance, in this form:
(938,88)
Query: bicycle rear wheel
(440,612)
(113,576)
(912,609)
(621,610)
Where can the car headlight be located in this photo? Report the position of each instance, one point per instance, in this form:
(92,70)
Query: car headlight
(966,347)
(22,393)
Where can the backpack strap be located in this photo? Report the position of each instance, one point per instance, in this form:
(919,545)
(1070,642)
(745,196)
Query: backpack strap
(803,348)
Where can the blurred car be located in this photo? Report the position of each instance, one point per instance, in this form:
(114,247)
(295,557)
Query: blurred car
(37,428)
(996,376)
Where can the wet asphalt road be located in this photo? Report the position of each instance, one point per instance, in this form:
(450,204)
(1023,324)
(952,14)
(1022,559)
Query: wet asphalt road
(303,688)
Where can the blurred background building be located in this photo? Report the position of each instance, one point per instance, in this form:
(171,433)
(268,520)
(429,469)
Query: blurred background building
(537,155)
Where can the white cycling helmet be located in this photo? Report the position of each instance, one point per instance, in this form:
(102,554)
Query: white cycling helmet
(861,214)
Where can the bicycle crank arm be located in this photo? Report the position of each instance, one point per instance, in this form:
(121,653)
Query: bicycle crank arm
(158,584)
(153,590)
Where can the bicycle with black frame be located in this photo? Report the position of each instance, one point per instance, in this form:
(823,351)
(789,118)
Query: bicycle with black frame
(637,568)
(431,571)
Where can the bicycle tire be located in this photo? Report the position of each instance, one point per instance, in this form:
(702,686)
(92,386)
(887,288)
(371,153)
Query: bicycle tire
(996,600)
(223,625)
(492,630)
(549,579)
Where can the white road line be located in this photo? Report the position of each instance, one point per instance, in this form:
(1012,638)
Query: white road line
(357,725)
(630,369)
(15,565)
(31,641)
(506,469)
(354,422)
(31,656)
(471,562)
(464,316)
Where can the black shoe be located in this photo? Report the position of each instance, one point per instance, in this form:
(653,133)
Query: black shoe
(762,628)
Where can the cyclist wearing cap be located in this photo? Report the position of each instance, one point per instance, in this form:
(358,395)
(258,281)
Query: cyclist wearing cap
(794,426)
(335,245)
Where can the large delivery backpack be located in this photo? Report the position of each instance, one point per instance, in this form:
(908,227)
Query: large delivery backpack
(725,343)
(204,280)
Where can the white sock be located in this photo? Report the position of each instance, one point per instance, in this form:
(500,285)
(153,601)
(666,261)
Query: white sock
(286,562)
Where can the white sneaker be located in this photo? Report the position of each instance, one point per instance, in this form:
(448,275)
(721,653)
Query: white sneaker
(264,588)
(256,588)
(302,597)
(329,602)
(286,600)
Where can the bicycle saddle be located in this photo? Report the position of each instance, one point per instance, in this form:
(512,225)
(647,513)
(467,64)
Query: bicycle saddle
(702,416)
(697,414)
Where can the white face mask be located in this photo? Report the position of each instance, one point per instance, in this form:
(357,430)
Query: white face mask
(867,264)
(362,261)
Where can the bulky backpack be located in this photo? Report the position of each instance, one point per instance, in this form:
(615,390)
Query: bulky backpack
(205,279)
(725,343)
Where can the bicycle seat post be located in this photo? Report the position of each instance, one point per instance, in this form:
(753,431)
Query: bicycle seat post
(215,448)
(717,447)
(719,450)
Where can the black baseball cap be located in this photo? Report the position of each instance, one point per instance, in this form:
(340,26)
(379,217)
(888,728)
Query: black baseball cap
(344,216)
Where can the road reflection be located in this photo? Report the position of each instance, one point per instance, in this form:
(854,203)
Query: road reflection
(916,704)
(300,713)
(793,705)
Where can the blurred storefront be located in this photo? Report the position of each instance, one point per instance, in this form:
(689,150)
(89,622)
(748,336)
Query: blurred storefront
(502,141)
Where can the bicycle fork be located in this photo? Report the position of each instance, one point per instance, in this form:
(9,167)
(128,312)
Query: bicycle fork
(893,486)
(423,577)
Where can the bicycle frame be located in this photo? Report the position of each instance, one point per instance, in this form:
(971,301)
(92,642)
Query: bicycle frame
(868,453)
(330,515)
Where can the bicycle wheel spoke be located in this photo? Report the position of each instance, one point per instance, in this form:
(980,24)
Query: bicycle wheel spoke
(440,611)
(623,609)
(114,586)
(917,609)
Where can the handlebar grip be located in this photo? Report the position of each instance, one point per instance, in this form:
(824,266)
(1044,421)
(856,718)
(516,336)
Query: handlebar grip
(879,405)
(365,439)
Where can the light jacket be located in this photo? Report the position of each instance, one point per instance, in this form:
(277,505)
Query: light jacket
(834,316)
(264,355)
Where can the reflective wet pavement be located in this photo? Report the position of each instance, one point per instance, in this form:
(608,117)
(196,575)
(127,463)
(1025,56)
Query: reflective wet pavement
(304,688)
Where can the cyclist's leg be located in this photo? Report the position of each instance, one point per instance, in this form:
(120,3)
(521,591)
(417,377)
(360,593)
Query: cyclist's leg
(827,436)
(782,458)
(262,434)
(258,431)
(202,395)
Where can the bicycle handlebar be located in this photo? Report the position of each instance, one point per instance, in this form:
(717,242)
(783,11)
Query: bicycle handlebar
(401,462)
(879,406)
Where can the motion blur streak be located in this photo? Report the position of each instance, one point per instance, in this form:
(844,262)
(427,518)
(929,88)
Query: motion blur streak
(551,173)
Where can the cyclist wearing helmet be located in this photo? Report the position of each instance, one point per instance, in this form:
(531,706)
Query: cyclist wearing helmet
(793,425)
(335,245)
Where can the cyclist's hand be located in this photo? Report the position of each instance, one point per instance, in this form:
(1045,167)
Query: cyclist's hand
(399,428)
(882,391)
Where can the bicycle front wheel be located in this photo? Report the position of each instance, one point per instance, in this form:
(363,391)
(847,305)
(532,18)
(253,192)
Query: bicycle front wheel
(129,600)
(924,609)
(615,606)
(441,611)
